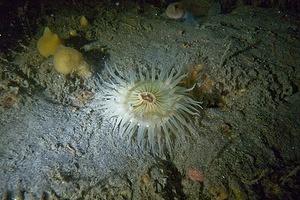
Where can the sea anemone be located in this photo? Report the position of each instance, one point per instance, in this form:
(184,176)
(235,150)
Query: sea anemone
(176,10)
(148,106)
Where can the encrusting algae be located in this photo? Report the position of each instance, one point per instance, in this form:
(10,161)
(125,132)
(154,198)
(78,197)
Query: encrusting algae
(68,60)
(48,43)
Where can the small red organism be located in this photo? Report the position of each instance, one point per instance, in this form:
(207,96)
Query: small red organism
(195,175)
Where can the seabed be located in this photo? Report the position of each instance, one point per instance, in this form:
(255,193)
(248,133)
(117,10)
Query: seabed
(245,68)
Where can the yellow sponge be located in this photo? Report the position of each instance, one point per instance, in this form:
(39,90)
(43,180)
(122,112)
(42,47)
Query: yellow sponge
(68,60)
(48,43)
(84,23)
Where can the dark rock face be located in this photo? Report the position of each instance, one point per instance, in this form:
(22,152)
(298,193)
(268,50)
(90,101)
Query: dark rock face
(292,6)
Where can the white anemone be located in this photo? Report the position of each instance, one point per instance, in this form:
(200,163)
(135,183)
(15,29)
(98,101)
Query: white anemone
(148,107)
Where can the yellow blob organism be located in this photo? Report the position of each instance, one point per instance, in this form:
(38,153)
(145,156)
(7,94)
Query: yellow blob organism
(84,23)
(73,33)
(68,60)
(83,70)
(48,43)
